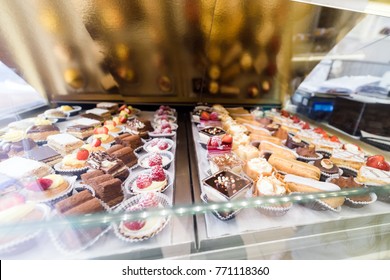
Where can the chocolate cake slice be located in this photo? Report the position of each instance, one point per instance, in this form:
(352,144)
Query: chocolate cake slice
(128,140)
(125,154)
(89,175)
(73,201)
(80,131)
(90,206)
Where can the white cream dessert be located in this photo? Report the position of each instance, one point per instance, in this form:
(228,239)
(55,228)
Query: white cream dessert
(144,228)
(18,167)
(270,186)
(369,175)
(321,186)
(247,152)
(71,162)
(86,121)
(257,167)
(64,143)
(346,158)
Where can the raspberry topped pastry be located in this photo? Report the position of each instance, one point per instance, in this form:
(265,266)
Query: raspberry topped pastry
(155,159)
(158,145)
(154,180)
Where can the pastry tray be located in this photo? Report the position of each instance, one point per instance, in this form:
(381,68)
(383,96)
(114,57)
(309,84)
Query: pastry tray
(177,238)
(252,225)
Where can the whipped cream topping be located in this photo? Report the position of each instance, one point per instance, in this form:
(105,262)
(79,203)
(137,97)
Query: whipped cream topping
(270,186)
(323,186)
(260,164)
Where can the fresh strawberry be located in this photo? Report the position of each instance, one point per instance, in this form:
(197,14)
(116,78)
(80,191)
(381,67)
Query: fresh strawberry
(101,130)
(227,139)
(143,181)
(205,116)
(40,184)
(295,119)
(378,161)
(121,108)
(11,200)
(318,130)
(284,113)
(306,126)
(334,139)
(96,142)
(83,154)
(155,159)
(163,145)
(326,137)
(123,119)
(158,173)
(111,122)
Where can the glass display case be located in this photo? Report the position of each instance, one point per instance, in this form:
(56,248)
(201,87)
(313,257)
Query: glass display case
(180,130)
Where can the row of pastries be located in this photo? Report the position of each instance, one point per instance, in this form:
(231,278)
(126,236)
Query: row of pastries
(282,154)
(70,161)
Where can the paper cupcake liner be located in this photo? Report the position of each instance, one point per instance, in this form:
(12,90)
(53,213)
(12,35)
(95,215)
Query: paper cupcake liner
(130,187)
(41,142)
(221,215)
(324,153)
(348,171)
(359,204)
(79,187)
(319,205)
(54,199)
(163,200)
(170,145)
(27,241)
(325,176)
(162,135)
(307,159)
(384,197)
(65,248)
(70,172)
(276,210)
(169,155)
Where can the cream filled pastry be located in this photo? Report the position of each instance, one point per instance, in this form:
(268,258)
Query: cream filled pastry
(143,228)
(269,185)
(257,167)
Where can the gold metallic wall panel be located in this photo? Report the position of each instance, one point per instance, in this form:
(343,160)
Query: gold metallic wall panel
(237,51)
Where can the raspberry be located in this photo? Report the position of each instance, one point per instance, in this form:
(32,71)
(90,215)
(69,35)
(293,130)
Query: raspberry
(143,181)
(167,130)
(155,159)
(148,200)
(158,173)
(40,184)
(165,124)
(163,145)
